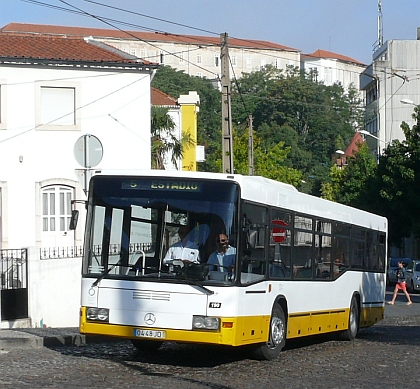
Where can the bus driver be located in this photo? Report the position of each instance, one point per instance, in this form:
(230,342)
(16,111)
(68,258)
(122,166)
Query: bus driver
(224,256)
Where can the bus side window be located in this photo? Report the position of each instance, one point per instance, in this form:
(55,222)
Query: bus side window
(254,256)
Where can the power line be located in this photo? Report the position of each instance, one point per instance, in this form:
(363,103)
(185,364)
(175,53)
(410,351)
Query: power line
(149,17)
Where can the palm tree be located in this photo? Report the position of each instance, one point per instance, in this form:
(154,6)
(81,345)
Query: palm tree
(164,141)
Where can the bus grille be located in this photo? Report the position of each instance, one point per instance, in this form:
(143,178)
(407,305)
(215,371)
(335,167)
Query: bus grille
(144,295)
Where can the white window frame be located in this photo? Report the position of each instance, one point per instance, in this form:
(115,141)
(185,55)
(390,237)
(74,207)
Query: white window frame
(44,86)
(234,60)
(56,208)
(199,59)
(248,63)
(216,60)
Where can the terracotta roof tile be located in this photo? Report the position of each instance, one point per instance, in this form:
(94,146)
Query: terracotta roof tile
(162,99)
(330,55)
(56,48)
(19,28)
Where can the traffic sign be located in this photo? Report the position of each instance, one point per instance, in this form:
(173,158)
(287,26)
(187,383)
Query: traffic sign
(278,233)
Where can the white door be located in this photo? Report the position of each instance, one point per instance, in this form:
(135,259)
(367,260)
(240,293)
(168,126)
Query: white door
(56,214)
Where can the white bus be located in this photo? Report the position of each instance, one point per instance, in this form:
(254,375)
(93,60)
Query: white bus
(303,265)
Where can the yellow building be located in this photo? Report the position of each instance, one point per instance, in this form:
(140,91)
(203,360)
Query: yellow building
(189,109)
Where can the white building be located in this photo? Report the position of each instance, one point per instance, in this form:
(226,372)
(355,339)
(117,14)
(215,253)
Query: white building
(195,55)
(55,90)
(391,77)
(333,68)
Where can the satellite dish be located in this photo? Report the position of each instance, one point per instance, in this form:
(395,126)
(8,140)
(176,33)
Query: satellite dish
(88,151)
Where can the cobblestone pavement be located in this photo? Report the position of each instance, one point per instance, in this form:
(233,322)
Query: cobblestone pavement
(383,356)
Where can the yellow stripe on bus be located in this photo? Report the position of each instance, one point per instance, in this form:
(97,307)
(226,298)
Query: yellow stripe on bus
(238,331)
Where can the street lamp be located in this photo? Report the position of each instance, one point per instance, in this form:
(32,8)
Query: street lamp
(411,102)
(364,132)
(408,101)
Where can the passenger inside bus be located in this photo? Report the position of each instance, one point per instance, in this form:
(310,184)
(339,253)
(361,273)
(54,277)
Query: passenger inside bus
(185,250)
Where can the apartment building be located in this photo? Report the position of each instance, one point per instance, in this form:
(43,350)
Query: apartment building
(195,55)
(332,68)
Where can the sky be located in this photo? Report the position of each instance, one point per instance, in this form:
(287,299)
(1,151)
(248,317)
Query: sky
(345,27)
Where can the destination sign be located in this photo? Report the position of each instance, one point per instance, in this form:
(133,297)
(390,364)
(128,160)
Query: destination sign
(167,185)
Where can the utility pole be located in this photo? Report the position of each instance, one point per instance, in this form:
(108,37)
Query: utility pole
(227,140)
(250,149)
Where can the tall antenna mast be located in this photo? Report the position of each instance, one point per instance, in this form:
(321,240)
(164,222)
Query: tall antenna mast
(380,26)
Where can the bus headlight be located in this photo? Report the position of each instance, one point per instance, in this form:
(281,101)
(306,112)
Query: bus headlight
(205,323)
(97,314)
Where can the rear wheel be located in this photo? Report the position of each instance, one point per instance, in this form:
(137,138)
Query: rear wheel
(277,336)
(353,325)
(146,345)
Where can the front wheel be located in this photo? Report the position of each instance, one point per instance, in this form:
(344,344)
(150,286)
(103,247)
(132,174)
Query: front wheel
(353,325)
(277,336)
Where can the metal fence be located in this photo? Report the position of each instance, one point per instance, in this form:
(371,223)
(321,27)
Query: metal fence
(13,268)
(77,251)
(60,252)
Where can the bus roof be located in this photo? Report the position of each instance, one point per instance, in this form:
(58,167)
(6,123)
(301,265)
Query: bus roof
(270,192)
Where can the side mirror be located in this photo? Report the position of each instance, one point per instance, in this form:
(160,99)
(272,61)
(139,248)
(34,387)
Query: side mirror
(74,219)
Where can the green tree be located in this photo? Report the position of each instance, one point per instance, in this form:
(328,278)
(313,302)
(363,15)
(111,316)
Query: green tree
(268,163)
(349,185)
(310,117)
(397,184)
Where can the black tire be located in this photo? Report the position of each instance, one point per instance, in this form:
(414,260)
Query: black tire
(146,345)
(353,325)
(277,336)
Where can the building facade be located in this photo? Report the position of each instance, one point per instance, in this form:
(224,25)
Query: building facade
(55,91)
(195,55)
(388,81)
(332,68)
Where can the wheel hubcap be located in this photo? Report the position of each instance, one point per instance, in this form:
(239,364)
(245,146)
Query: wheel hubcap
(277,332)
(353,324)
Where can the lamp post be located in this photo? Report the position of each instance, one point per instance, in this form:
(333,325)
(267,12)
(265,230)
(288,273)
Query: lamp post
(408,101)
(367,133)
(364,132)
(411,102)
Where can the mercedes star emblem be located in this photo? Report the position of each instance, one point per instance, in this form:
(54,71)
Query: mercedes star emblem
(149,319)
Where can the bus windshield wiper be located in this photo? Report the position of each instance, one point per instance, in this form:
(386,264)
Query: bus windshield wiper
(101,277)
(192,273)
(196,283)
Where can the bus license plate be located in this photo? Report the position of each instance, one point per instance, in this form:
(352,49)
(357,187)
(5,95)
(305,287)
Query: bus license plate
(149,334)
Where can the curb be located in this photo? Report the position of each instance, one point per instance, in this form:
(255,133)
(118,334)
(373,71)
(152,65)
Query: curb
(14,339)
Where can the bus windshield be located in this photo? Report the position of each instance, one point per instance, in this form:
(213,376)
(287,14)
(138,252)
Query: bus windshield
(157,227)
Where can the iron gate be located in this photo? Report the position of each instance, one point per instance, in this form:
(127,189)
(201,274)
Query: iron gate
(14,284)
